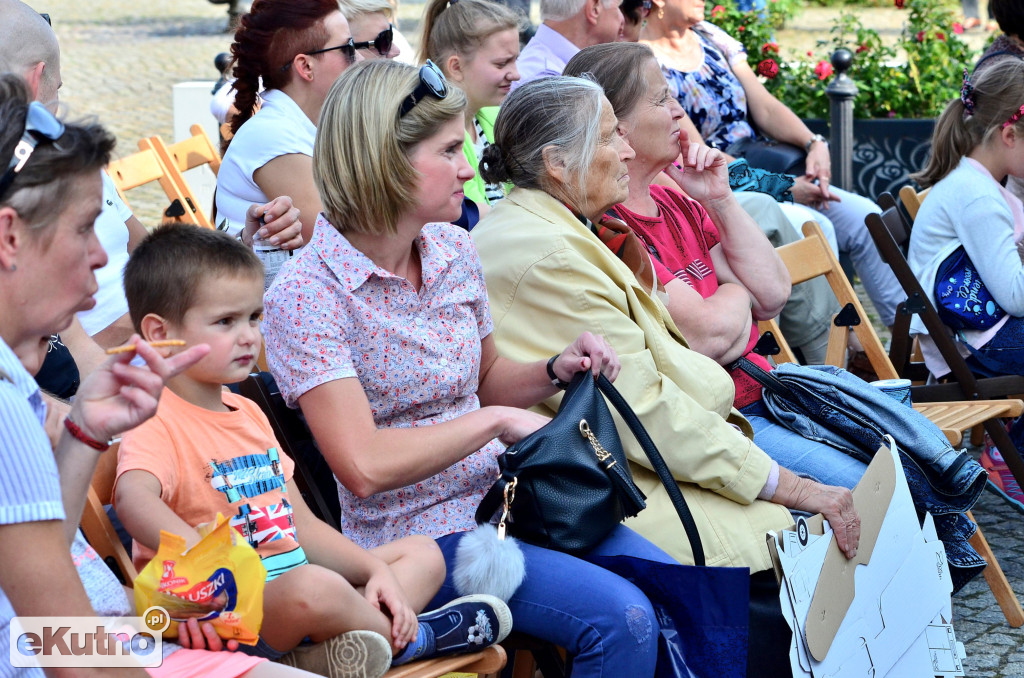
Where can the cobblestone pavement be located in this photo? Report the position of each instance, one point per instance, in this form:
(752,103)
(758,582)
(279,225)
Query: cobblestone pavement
(120,59)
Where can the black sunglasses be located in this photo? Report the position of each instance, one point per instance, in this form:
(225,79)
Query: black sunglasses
(382,43)
(347,48)
(431,82)
(40,124)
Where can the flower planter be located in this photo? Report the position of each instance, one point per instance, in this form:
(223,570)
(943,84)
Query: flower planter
(885,153)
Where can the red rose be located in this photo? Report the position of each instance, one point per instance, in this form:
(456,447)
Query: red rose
(862,48)
(717,11)
(741,28)
(941,36)
(810,53)
(920,36)
(899,3)
(770,47)
(823,70)
(958,27)
(768,68)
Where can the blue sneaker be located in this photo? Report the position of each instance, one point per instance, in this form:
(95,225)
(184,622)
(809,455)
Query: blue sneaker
(466,624)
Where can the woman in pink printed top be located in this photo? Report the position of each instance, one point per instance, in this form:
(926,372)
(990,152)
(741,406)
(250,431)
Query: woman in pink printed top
(719,271)
(380,331)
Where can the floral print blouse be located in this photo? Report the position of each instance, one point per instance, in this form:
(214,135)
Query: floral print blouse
(712,95)
(334,314)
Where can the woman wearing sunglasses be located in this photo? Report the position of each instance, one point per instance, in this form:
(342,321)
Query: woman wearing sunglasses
(476,43)
(372,29)
(295,49)
(384,317)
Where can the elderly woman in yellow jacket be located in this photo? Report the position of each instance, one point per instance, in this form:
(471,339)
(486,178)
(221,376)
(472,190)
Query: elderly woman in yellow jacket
(550,276)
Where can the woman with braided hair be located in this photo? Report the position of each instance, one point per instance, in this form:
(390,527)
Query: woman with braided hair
(287,54)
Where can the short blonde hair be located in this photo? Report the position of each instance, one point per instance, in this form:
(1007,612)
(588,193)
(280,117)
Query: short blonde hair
(361,161)
(357,8)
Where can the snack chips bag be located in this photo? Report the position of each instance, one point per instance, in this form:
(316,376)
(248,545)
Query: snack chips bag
(219,580)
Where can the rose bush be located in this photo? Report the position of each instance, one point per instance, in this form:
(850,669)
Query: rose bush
(913,79)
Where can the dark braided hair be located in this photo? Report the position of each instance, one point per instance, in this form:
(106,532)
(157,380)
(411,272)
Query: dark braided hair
(268,37)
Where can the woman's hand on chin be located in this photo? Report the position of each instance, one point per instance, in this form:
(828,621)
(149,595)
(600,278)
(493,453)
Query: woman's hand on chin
(588,352)
(702,172)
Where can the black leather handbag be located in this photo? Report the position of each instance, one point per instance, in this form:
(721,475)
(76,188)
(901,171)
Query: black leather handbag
(567,485)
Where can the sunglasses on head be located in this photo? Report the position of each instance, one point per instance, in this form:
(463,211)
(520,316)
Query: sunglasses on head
(382,43)
(431,82)
(40,125)
(645,8)
(347,48)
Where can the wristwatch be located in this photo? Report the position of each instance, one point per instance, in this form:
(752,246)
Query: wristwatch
(810,142)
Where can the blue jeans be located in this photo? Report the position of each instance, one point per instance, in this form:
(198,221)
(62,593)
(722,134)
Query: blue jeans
(604,622)
(800,455)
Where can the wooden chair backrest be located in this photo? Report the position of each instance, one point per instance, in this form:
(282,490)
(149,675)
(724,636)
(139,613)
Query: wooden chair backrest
(96,525)
(195,151)
(194,214)
(145,167)
(812,257)
(912,199)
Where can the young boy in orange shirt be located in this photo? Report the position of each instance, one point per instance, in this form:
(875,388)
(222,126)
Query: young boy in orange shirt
(208,450)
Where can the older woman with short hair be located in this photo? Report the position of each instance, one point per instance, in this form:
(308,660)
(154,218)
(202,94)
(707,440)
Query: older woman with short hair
(719,271)
(550,276)
(384,317)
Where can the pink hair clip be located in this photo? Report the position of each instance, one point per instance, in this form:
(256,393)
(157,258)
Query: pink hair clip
(1016,116)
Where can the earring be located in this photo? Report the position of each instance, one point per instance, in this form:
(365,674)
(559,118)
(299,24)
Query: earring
(661,12)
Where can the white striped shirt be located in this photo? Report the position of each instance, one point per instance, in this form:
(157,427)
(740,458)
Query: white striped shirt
(29,484)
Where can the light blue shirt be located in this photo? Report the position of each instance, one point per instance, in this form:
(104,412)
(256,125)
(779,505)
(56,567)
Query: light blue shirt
(545,55)
(29,484)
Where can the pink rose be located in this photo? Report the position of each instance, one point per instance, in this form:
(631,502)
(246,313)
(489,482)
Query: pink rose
(823,70)
(717,11)
(920,36)
(768,68)
(958,27)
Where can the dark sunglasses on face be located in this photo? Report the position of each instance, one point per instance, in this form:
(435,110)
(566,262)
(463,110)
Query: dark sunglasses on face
(431,82)
(347,48)
(382,43)
(40,124)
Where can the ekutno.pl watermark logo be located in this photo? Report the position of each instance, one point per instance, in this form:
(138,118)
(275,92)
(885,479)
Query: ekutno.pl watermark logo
(89,641)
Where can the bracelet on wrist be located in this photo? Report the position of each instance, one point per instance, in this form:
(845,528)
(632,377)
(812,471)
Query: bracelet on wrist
(558,383)
(81,436)
(810,142)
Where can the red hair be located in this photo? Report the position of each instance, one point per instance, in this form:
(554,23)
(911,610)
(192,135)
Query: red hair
(268,37)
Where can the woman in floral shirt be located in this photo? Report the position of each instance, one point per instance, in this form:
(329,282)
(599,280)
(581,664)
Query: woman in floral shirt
(708,74)
(380,331)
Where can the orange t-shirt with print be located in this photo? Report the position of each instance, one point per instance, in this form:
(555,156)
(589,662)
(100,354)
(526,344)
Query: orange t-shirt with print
(209,462)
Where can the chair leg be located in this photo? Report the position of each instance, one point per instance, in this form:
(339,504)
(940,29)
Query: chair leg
(978,435)
(997,581)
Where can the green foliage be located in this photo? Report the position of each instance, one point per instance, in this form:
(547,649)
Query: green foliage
(914,79)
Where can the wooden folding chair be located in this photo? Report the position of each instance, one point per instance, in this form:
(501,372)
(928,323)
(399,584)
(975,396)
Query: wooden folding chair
(812,257)
(890,232)
(193,212)
(145,167)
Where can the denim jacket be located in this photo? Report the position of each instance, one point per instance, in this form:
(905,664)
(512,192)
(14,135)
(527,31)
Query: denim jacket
(830,405)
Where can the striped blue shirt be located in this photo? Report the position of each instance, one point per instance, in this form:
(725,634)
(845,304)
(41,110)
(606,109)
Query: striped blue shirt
(29,484)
